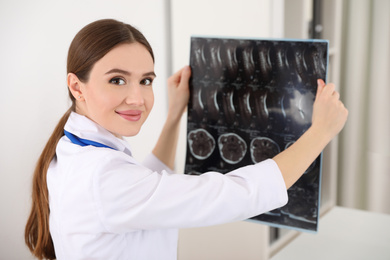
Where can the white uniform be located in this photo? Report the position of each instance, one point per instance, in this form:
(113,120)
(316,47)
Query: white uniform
(106,205)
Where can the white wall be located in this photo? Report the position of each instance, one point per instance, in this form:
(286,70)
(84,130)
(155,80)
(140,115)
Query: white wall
(35,36)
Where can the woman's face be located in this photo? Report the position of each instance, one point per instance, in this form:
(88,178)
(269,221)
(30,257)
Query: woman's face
(119,94)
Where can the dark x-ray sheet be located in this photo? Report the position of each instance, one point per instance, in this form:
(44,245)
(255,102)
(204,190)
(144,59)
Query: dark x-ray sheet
(251,99)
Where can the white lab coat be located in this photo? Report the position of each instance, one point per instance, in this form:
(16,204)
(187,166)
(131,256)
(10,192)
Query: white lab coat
(106,205)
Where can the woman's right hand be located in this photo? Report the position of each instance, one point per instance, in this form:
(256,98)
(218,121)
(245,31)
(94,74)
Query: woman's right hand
(329,113)
(178,93)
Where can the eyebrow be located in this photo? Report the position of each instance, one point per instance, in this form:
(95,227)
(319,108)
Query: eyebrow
(127,73)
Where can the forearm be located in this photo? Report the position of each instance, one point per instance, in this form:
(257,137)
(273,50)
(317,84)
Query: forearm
(294,161)
(178,93)
(165,149)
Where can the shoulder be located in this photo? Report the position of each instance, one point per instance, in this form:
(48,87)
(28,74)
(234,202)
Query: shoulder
(94,159)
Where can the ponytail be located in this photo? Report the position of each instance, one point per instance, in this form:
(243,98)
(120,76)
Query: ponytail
(37,234)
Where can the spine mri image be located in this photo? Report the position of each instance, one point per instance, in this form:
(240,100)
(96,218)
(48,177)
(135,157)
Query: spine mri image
(250,100)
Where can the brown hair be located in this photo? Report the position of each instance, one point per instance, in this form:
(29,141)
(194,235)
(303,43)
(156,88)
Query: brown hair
(90,44)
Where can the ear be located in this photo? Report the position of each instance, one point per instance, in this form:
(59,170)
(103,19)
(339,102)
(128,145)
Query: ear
(74,85)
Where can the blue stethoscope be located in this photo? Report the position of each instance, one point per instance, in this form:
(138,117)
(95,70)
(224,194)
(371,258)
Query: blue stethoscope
(84,142)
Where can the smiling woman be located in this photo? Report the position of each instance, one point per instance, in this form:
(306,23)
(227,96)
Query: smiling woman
(89,46)
(93,200)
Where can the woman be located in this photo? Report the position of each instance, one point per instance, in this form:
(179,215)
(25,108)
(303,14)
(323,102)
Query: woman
(93,200)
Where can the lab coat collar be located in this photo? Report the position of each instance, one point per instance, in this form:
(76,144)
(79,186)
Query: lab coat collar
(84,128)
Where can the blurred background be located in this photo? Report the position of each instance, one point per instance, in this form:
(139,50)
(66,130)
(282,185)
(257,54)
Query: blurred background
(35,36)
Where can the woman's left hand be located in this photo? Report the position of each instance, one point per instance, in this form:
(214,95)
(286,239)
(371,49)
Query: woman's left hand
(178,93)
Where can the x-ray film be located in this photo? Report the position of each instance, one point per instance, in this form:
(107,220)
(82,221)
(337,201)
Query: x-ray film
(251,99)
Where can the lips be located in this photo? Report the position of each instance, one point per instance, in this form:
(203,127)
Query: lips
(130,115)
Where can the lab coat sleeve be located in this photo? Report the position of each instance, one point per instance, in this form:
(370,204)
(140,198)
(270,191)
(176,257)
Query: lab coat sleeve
(131,197)
(153,163)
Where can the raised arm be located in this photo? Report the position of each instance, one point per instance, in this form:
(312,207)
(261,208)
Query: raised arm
(329,117)
(178,95)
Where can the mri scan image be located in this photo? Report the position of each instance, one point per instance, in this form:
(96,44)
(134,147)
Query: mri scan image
(263,148)
(200,143)
(232,148)
(250,100)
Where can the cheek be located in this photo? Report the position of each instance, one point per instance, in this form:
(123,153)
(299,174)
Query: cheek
(149,100)
(108,99)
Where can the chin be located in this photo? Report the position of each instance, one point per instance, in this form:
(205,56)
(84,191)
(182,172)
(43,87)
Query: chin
(126,133)
(126,130)
(129,133)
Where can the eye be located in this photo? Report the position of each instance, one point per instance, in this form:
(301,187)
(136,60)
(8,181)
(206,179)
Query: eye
(117,81)
(147,81)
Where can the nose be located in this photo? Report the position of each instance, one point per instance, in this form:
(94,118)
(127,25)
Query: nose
(134,95)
